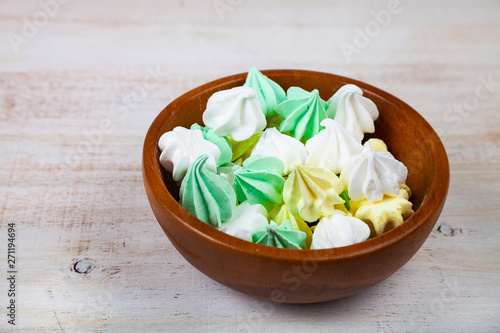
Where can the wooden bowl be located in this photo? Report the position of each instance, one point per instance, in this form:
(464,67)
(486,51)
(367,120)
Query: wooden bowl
(303,276)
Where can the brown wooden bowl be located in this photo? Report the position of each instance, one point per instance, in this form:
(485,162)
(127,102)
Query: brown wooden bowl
(303,276)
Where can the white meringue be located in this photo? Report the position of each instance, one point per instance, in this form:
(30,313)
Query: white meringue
(235,112)
(181,146)
(372,174)
(288,149)
(246,219)
(339,230)
(332,147)
(353,111)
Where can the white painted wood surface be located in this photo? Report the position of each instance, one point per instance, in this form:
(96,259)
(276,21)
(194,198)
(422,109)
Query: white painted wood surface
(74,109)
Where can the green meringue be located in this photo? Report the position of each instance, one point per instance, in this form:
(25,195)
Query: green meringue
(259,181)
(223,143)
(282,236)
(303,112)
(298,92)
(281,214)
(207,195)
(268,92)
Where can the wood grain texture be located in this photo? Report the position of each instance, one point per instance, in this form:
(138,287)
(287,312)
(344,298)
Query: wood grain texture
(74,110)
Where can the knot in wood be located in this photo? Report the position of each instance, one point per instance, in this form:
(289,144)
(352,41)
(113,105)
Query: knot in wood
(446,230)
(83,266)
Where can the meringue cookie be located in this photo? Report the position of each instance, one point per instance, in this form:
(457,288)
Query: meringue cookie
(259,181)
(377,144)
(386,214)
(289,150)
(339,230)
(243,149)
(280,214)
(227,171)
(235,112)
(282,236)
(207,195)
(298,92)
(221,142)
(312,192)
(353,111)
(268,92)
(245,221)
(372,174)
(332,147)
(303,112)
(180,147)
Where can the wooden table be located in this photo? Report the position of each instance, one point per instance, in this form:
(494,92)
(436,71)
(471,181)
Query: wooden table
(80,83)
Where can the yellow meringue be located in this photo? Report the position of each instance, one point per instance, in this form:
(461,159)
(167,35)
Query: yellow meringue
(386,214)
(377,144)
(312,192)
(243,149)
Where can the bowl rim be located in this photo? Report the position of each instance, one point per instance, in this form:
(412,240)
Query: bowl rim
(432,202)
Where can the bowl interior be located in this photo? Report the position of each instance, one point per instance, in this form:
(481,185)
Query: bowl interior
(408,136)
(400,130)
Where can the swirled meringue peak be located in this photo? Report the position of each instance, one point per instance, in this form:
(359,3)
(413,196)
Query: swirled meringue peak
(332,147)
(312,192)
(353,111)
(288,149)
(245,221)
(235,112)
(372,174)
(181,146)
(259,181)
(386,214)
(339,230)
(221,142)
(303,112)
(282,236)
(268,92)
(207,195)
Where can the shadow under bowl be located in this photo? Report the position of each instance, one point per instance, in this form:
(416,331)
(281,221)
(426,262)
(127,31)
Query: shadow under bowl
(303,276)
